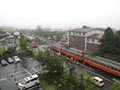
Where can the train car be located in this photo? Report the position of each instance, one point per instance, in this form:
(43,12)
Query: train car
(106,65)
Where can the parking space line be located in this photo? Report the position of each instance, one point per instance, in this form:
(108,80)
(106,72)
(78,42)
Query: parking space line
(18,72)
(21,75)
(35,70)
(18,80)
(27,71)
(3,79)
(17,69)
(35,65)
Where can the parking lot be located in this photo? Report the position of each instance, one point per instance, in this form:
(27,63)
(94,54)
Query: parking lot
(11,74)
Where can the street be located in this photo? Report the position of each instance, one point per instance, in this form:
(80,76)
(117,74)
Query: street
(91,72)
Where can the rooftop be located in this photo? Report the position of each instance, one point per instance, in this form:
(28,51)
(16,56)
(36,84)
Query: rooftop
(96,35)
(98,78)
(86,29)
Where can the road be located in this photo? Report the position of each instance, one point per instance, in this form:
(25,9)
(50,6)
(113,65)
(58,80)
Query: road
(10,76)
(91,72)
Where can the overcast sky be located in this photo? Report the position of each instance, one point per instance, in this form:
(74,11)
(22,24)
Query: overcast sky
(60,13)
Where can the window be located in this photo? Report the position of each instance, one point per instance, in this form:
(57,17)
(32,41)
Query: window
(27,81)
(92,39)
(83,33)
(99,40)
(79,33)
(34,79)
(87,39)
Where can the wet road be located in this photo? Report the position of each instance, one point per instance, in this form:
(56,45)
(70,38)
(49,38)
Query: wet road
(91,72)
(10,76)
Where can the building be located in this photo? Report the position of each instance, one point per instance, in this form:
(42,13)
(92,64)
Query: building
(3,35)
(9,41)
(85,39)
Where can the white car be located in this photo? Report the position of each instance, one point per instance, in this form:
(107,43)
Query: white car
(28,82)
(16,59)
(10,60)
(98,81)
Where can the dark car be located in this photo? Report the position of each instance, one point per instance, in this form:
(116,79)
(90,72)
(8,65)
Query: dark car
(10,60)
(3,62)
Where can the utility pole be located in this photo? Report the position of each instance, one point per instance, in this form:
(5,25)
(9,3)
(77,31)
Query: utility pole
(83,56)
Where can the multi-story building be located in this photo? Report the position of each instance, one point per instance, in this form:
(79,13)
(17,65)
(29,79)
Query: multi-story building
(3,35)
(85,39)
(9,41)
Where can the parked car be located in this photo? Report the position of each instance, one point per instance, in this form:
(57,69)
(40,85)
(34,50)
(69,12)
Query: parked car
(28,82)
(10,60)
(3,62)
(16,59)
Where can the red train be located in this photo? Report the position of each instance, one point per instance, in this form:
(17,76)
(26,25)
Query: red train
(97,63)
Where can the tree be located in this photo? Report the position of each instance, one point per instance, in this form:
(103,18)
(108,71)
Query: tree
(107,42)
(110,45)
(116,86)
(84,83)
(1,52)
(22,43)
(55,67)
(117,43)
(67,81)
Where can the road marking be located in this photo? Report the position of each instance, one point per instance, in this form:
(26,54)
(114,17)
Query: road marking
(35,70)
(17,69)
(3,79)
(100,76)
(18,72)
(18,80)
(21,75)
(27,71)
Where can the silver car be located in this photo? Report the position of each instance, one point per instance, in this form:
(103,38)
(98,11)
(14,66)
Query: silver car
(3,62)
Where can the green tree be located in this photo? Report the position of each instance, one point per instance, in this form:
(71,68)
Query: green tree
(117,43)
(84,83)
(116,86)
(55,67)
(110,45)
(107,42)
(22,43)
(1,50)
(52,63)
(67,81)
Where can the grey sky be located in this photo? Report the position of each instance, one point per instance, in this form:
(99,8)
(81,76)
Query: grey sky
(60,13)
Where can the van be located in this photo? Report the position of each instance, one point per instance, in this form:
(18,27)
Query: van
(28,82)
(98,81)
